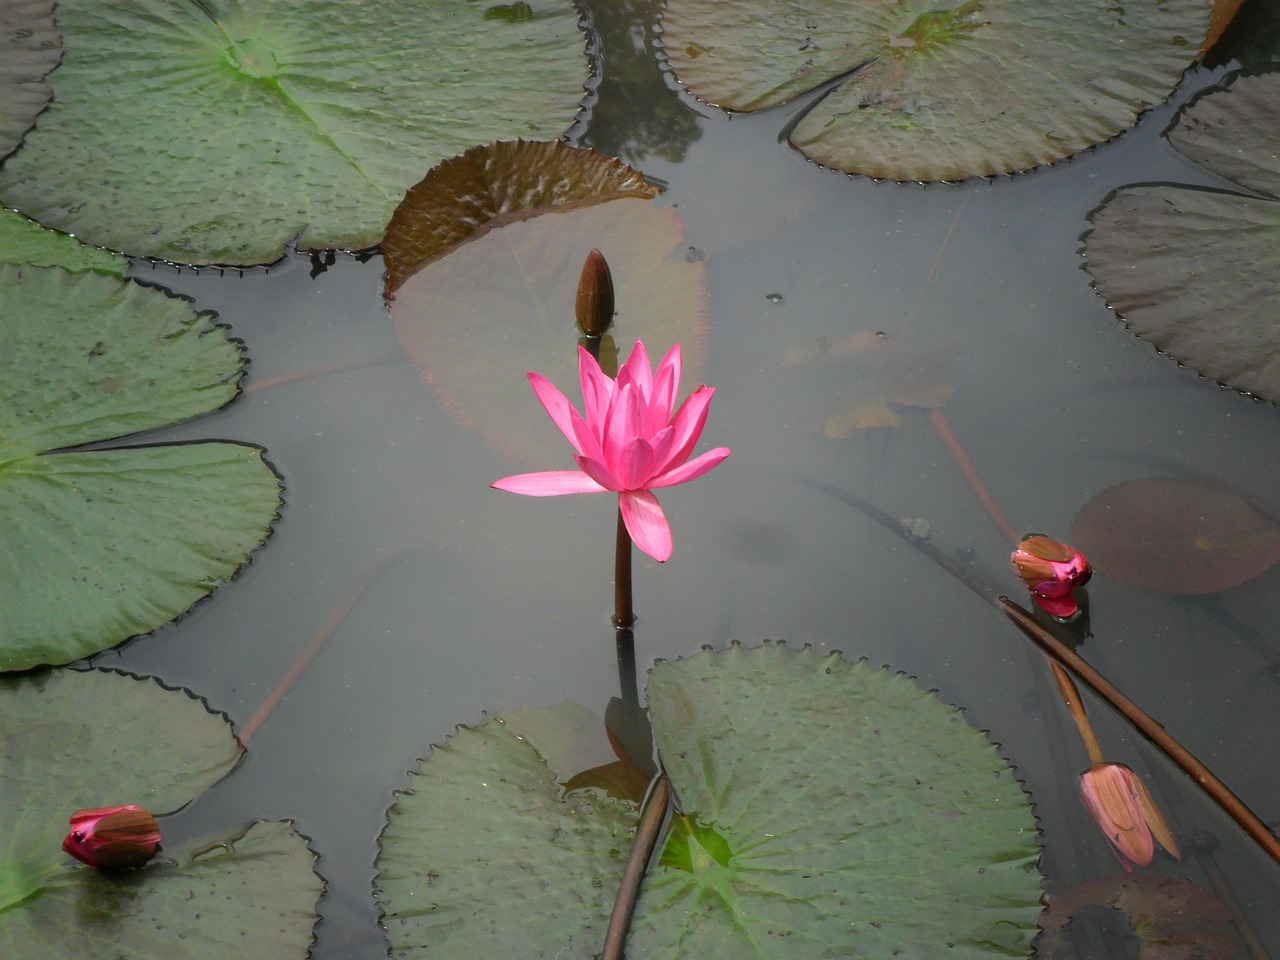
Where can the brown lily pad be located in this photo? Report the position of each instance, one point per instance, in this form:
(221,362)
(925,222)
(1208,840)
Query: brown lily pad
(1171,918)
(1176,536)
(482,289)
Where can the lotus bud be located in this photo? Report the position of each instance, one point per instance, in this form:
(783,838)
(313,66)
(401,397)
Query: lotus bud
(1051,570)
(113,838)
(1125,812)
(594,305)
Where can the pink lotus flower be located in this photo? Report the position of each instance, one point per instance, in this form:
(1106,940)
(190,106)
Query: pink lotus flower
(626,441)
(113,838)
(1051,570)
(1124,811)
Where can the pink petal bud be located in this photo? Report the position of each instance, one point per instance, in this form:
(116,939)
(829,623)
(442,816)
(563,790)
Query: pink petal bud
(1051,570)
(113,838)
(1124,811)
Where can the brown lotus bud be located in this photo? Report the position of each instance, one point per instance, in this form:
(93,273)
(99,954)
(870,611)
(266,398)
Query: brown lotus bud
(113,838)
(594,306)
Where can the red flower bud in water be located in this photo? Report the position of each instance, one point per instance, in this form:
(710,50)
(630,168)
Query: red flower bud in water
(1051,570)
(113,838)
(594,304)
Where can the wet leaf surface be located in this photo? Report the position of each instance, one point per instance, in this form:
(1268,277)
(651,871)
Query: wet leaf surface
(1194,271)
(825,807)
(502,303)
(282,118)
(253,894)
(1176,536)
(29,48)
(973,89)
(99,545)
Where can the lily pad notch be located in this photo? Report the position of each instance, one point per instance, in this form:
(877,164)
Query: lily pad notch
(99,544)
(975,89)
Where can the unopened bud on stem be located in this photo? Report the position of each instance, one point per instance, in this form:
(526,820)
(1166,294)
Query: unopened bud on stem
(594,305)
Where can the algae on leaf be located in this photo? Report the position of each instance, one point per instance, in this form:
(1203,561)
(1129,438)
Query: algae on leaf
(1196,272)
(216,132)
(98,545)
(939,92)
(252,894)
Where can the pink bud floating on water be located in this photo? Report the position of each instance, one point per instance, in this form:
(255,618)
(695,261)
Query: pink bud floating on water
(1051,570)
(113,838)
(1125,812)
(626,441)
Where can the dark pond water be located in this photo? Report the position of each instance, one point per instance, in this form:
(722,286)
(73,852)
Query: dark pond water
(470,600)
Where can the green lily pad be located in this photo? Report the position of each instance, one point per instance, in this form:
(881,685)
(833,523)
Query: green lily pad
(25,243)
(485,855)
(72,740)
(99,545)
(1176,536)
(1194,271)
(483,288)
(281,118)
(825,808)
(940,92)
(29,48)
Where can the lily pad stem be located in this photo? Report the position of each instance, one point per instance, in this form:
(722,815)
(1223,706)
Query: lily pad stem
(647,830)
(1175,751)
(623,615)
(942,428)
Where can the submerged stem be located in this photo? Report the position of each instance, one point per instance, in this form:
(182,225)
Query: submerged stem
(971,476)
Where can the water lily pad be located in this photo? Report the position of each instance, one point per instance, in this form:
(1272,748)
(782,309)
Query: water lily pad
(485,855)
(282,118)
(1171,918)
(942,93)
(827,808)
(830,809)
(1176,536)
(1194,271)
(29,48)
(72,741)
(25,242)
(500,302)
(866,377)
(99,545)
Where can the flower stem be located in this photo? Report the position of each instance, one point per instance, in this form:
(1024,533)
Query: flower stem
(1072,698)
(655,811)
(623,614)
(1175,751)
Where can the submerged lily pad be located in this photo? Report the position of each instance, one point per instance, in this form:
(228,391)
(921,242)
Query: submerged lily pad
(72,740)
(280,118)
(99,545)
(483,287)
(943,93)
(863,379)
(29,48)
(1176,536)
(1171,918)
(825,808)
(1194,271)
